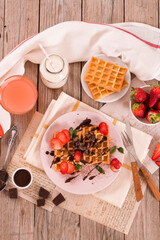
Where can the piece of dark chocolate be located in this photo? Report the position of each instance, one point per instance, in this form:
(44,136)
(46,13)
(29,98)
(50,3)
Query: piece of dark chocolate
(40,202)
(13,193)
(58,199)
(43,193)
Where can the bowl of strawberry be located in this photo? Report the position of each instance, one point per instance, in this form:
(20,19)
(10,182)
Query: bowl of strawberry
(145,104)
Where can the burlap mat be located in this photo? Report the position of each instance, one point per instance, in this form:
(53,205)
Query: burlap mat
(88,206)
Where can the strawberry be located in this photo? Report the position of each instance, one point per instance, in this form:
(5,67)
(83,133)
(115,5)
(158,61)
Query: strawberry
(77,156)
(71,168)
(154,95)
(153,116)
(156,153)
(103,128)
(62,137)
(56,143)
(64,167)
(146,103)
(1,131)
(157,105)
(138,109)
(115,165)
(66,132)
(138,95)
(158,163)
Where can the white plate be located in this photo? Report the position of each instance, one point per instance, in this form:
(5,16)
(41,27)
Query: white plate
(78,186)
(5,119)
(115,96)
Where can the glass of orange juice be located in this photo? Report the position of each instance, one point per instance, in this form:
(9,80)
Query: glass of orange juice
(18,94)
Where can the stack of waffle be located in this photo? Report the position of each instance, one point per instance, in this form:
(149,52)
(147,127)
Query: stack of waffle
(104,78)
(93,145)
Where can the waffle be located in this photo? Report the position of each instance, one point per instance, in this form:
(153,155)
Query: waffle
(100,151)
(101,92)
(105,74)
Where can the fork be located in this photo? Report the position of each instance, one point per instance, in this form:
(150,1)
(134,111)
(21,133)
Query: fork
(136,178)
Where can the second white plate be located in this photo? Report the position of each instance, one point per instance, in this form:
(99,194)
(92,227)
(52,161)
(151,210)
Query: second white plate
(115,96)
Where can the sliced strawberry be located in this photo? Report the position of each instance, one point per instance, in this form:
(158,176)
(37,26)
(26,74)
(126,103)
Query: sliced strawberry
(64,167)
(115,165)
(154,95)
(77,156)
(56,143)
(1,131)
(138,95)
(71,168)
(66,132)
(158,163)
(62,137)
(156,153)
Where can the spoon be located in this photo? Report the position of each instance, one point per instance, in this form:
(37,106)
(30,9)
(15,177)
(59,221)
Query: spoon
(13,134)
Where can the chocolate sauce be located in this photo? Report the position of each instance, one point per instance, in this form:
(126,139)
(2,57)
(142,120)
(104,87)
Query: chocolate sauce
(70,179)
(52,153)
(90,178)
(56,160)
(22,178)
(85,177)
(84,123)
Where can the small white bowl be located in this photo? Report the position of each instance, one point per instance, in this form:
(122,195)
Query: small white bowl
(144,121)
(15,173)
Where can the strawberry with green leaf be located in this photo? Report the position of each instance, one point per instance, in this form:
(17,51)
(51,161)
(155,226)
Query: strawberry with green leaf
(138,95)
(153,116)
(138,109)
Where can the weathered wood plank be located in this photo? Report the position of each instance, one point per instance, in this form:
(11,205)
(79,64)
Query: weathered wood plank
(99,12)
(60,224)
(51,13)
(146,223)
(21,21)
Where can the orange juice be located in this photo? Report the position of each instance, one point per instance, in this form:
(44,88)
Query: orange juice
(18,95)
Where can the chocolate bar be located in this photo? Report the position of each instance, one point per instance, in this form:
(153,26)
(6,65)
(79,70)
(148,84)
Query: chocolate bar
(58,199)
(43,193)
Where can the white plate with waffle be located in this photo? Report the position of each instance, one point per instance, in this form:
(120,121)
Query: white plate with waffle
(107,96)
(78,185)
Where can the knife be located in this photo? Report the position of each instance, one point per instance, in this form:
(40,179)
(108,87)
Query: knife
(134,166)
(145,173)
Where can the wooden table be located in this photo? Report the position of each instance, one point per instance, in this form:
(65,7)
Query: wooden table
(20,19)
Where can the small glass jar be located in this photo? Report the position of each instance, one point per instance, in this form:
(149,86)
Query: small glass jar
(57,77)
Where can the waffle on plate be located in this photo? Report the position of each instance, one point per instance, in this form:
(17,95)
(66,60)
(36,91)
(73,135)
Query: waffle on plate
(93,146)
(104,78)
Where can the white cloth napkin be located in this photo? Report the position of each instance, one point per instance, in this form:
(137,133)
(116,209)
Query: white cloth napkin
(134,43)
(117,191)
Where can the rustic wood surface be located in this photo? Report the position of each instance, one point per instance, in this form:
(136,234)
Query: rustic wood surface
(19,19)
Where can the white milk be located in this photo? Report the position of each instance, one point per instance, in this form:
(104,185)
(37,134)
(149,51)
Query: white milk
(54,78)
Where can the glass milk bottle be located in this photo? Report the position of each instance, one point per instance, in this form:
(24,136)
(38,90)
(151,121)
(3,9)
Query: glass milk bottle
(54,77)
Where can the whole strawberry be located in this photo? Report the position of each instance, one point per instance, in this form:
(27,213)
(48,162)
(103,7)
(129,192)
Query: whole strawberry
(138,95)
(157,105)
(154,95)
(138,109)
(153,116)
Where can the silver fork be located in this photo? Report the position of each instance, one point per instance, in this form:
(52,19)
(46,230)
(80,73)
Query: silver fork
(130,148)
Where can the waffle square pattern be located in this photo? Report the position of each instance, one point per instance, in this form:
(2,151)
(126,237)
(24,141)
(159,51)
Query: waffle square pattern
(93,145)
(104,78)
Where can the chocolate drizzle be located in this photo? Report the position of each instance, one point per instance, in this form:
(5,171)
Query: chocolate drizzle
(70,179)
(84,123)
